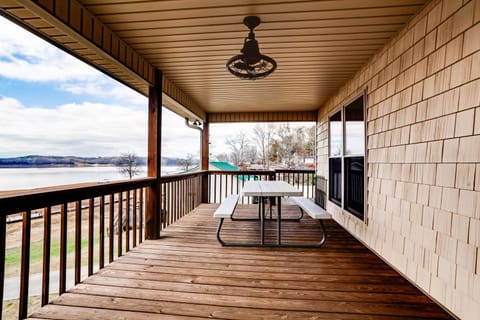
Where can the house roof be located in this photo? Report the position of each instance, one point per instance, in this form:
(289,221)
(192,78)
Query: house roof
(226,166)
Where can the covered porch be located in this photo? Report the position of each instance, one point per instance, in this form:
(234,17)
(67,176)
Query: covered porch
(186,273)
(407,192)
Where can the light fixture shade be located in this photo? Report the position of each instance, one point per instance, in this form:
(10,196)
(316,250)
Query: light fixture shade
(251,64)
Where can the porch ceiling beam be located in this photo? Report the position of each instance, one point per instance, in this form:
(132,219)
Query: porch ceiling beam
(70,18)
(222,117)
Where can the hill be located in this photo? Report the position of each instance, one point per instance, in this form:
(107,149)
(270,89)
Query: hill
(61,161)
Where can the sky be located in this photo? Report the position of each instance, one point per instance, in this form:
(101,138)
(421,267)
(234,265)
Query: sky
(54,104)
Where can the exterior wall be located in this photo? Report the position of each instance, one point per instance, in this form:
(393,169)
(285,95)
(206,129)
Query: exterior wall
(423,153)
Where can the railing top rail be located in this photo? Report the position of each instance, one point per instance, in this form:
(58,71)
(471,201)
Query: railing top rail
(239,172)
(15,202)
(262,171)
(294,170)
(182,176)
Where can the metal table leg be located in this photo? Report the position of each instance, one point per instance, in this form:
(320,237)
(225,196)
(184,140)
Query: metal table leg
(279,221)
(262,220)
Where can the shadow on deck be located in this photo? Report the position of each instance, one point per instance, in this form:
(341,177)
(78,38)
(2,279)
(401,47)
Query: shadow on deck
(188,274)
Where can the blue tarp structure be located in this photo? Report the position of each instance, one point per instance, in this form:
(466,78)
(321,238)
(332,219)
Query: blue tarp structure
(224,166)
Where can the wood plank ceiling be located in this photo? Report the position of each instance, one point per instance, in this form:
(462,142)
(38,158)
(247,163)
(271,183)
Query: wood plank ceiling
(318,45)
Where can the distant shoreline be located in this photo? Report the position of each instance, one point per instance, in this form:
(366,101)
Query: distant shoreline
(26,166)
(39,161)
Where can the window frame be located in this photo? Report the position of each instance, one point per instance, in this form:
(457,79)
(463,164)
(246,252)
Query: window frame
(343,156)
(335,201)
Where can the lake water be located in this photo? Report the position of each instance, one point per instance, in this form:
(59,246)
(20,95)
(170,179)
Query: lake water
(28,178)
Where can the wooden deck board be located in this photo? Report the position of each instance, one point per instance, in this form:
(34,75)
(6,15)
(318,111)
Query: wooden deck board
(188,274)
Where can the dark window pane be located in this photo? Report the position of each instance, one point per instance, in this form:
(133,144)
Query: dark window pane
(336,135)
(354,128)
(335,180)
(354,186)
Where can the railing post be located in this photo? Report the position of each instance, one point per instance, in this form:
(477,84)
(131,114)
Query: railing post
(205,161)
(3,235)
(205,190)
(152,214)
(205,145)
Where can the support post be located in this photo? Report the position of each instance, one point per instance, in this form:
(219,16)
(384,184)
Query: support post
(152,214)
(205,145)
(205,160)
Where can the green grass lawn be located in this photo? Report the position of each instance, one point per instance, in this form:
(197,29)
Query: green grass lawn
(13,255)
(13,259)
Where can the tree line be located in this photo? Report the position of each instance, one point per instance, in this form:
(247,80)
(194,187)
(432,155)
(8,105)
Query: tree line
(271,145)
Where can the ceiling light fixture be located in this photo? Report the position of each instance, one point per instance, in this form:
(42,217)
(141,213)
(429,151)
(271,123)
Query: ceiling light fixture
(251,64)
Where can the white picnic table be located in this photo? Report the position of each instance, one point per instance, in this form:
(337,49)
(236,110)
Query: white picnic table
(265,189)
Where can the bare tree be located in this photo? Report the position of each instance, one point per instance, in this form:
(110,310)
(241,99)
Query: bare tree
(128,164)
(299,138)
(250,154)
(289,144)
(222,157)
(263,136)
(238,144)
(186,163)
(310,142)
(272,143)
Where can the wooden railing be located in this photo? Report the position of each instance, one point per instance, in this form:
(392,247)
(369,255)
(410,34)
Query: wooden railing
(224,183)
(110,210)
(112,216)
(301,179)
(180,194)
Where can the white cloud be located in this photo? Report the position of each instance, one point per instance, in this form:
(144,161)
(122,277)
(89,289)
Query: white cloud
(87,129)
(105,87)
(84,128)
(26,57)
(177,139)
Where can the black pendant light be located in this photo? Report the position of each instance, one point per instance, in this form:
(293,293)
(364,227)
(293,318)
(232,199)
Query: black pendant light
(251,64)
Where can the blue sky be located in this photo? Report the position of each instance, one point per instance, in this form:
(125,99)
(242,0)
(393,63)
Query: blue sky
(53,104)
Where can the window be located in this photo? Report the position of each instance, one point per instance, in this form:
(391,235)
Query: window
(347,158)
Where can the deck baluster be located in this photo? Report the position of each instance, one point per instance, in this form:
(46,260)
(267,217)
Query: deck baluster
(119,224)
(3,236)
(140,234)
(101,247)
(25,264)
(110,227)
(63,249)
(127,223)
(78,241)
(91,207)
(47,228)
(134,217)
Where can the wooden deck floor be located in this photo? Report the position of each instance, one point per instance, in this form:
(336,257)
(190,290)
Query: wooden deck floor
(187,274)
